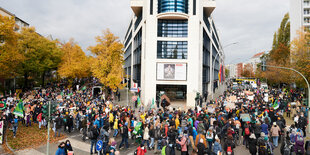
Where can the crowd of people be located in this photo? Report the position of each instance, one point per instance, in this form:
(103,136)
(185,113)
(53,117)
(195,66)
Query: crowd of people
(250,117)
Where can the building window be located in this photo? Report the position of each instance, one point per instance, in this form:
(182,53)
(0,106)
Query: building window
(172,28)
(173,6)
(306,11)
(194,7)
(306,3)
(151,7)
(307,20)
(138,21)
(172,49)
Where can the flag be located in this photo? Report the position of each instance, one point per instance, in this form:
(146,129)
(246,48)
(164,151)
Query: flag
(84,88)
(138,101)
(276,104)
(153,103)
(19,109)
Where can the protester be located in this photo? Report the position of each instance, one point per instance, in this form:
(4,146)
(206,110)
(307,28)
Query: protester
(61,149)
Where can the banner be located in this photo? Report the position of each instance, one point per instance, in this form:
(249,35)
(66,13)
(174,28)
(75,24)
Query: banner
(19,109)
(172,71)
(1,132)
(2,105)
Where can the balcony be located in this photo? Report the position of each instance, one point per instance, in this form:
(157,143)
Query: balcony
(172,15)
(208,6)
(136,6)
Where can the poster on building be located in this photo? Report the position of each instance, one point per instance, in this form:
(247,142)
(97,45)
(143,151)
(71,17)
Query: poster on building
(171,71)
(1,132)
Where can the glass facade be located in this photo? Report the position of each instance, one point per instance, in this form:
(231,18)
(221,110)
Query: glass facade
(173,6)
(172,49)
(172,28)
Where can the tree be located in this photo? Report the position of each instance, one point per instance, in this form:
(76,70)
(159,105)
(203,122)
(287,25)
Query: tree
(279,55)
(247,71)
(282,36)
(10,57)
(300,56)
(227,72)
(41,55)
(74,64)
(108,62)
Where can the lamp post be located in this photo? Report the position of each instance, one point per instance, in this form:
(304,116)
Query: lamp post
(306,83)
(213,65)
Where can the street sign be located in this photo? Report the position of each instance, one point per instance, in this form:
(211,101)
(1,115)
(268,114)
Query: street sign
(99,145)
(134,98)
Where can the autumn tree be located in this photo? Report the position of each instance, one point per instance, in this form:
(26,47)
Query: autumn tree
(300,57)
(247,71)
(41,54)
(107,65)
(10,57)
(74,62)
(279,55)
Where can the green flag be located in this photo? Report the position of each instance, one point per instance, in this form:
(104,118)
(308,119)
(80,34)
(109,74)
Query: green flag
(19,109)
(276,105)
(153,103)
(84,88)
(138,101)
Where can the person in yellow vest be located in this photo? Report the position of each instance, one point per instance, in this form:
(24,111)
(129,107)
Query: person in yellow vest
(115,127)
(142,116)
(177,122)
(111,119)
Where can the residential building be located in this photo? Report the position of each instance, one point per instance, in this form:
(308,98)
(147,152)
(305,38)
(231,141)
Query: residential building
(232,70)
(254,61)
(170,46)
(19,23)
(299,16)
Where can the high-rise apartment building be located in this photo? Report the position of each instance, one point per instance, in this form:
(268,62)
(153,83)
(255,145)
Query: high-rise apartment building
(299,16)
(170,46)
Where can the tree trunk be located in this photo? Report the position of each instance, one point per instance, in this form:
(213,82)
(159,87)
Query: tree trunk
(43,79)
(25,80)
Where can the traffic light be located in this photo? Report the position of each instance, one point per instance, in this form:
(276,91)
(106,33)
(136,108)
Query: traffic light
(45,110)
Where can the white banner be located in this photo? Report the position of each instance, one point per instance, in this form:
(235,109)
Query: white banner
(172,71)
(1,132)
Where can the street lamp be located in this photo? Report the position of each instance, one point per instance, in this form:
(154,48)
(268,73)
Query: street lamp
(213,65)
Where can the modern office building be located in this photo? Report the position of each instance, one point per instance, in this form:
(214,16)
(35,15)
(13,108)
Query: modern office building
(170,46)
(299,16)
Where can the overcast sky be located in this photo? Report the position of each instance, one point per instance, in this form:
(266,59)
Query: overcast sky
(251,23)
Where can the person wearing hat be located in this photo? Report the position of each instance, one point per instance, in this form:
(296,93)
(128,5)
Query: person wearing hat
(275,130)
(252,144)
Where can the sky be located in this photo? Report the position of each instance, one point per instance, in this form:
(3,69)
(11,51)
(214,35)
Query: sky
(250,23)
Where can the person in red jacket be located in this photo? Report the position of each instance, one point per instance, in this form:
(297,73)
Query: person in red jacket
(39,119)
(141,150)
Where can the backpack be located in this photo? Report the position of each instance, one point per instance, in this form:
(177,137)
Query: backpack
(229,150)
(90,134)
(163,150)
(269,148)
(247,131)
(287,150)
(262,150)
